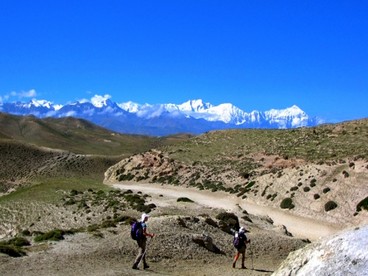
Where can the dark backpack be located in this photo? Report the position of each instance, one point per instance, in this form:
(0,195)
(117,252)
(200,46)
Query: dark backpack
(239,240)
(136,231)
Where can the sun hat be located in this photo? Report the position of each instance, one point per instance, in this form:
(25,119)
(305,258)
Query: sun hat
(144,216)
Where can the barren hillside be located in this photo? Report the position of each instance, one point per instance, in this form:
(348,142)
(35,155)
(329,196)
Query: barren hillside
(63,213)
(319,173)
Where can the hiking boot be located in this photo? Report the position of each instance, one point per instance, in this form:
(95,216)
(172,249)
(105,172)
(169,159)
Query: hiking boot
(135,267)
(243,267)
(233,265)
(145,266)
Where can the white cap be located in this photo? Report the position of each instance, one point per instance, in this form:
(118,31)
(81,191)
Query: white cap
(241,229)
(144,216)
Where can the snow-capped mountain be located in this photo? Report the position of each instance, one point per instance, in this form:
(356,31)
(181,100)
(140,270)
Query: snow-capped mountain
(194,116)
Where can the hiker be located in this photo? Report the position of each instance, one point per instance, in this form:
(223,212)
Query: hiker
(240,243)
(142,243)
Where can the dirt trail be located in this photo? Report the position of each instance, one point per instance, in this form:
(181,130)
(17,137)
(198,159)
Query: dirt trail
(299,226)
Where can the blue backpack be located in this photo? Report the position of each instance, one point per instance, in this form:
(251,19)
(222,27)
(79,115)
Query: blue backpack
(236,241)
(239,240)
(136,231)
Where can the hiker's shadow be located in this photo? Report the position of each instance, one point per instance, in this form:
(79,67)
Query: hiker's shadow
(263,270)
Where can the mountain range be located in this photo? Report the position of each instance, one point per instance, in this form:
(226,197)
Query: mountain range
(193,116)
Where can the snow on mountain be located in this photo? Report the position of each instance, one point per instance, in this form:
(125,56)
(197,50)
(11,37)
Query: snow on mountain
(100,101)
(40,103)
(195,106)
(340,255)
(292,115)
(193,116)
(226,112)
(130,106)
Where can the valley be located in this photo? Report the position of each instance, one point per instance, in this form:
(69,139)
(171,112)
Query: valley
(72,195)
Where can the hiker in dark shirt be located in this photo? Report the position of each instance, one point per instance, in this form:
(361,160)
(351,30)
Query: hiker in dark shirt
(142,244)
(240,243)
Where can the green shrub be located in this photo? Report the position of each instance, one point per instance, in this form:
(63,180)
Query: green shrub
(18,241)
(11,250)
(26,232)
(362,205)
(53,235)
(108,223)
(287,203)
(306,189)
(326,190)
(92,228)
(73,192)
(330,205)
(250,185)
(184,199)
(316,196)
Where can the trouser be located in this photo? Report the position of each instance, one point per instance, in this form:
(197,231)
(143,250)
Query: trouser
(141,252)
(241,251)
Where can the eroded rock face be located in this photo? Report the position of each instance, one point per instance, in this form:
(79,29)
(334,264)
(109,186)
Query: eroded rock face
(149,166)
(343,254)
(206,242)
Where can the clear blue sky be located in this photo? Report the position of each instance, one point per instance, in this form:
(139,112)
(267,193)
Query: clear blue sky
(252,53)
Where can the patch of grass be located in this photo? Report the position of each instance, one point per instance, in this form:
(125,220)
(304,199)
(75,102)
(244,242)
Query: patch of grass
(51,190)
(108,224)
(18,241)
(322,143)
(11,250)
(13,247)
(53,235)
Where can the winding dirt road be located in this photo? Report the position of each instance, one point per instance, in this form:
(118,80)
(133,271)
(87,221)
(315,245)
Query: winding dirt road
(299,226)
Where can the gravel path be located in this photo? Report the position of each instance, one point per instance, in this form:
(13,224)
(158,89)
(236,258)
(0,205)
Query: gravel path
(299,226)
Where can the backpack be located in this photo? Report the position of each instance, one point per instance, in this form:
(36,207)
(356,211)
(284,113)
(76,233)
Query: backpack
(136,231)
(239,240)
(236,241)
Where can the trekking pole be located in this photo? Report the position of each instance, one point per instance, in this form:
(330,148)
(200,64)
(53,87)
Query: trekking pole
(145,251)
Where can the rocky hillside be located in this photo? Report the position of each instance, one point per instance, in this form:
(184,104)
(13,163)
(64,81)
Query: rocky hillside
(340,255)
(319,173)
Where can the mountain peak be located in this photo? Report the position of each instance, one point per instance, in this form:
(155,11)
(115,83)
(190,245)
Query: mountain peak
(192,116)
(194,106)
(101,101)
(40,103)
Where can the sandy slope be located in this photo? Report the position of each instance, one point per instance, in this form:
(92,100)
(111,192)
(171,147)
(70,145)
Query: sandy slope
(297,225)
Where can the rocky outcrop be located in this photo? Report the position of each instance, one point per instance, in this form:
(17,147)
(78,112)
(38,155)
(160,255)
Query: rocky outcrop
(206,242)
(342,254)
